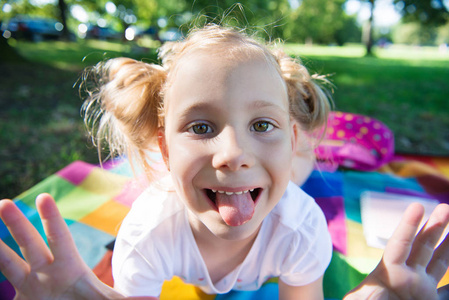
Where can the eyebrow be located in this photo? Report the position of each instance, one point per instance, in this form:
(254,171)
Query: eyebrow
(206,106)
(196,107)
(267,104)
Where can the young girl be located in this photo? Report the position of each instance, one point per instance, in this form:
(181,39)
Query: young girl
(228,115)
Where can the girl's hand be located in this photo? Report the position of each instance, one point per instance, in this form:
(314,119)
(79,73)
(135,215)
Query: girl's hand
(411,267)
(55,273)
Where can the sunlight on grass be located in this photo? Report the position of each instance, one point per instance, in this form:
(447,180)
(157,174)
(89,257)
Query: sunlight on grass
(413,53)
(109,46)
(410,55)
(71,55)
(317,50)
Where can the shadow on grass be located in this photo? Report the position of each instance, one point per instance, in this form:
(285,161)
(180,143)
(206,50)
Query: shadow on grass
(41,130)
(77,55)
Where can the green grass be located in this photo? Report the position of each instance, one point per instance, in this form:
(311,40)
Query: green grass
(404,87)
(399,52)
(76,55)
(41,130)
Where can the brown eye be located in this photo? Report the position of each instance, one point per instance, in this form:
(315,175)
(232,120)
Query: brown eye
(262,126)
(201,128)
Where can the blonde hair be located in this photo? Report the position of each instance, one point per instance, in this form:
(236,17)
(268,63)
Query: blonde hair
(124,105)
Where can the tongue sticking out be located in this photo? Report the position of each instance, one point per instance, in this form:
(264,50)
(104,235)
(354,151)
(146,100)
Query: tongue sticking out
(235,209)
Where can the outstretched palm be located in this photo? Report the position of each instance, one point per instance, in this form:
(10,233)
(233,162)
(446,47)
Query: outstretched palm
(411,266)
(55,273)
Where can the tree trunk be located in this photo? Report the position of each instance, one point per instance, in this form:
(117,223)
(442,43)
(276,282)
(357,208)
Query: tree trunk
(63,17)
(368,39)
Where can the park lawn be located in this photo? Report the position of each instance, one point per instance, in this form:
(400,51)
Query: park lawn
(404,87)
(41,130)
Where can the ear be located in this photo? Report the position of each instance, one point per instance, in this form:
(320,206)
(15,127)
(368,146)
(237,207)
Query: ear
(162,142)
(294,135)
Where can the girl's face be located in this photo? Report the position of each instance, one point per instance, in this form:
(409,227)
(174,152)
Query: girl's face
(228,141)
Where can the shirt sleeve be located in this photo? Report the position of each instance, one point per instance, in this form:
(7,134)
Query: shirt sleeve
(310,251)
(139,262)
(135,274)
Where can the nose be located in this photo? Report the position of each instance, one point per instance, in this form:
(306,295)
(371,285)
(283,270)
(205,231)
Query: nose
(233,151)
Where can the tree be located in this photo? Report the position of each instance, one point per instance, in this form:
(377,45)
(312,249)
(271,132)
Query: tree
(368,31)
(317,21)
(443,35)
(24,7)
(63,18)
(427,12)
(267,15)
(413,33)
(132,12)
(350,32)
(424,22)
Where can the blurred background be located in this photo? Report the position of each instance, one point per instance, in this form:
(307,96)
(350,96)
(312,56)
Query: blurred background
(388,59)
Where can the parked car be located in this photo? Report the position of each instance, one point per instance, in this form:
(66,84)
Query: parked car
(34,29)
(102,33)
(151,32)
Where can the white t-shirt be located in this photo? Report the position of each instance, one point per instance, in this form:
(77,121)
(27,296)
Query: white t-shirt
(155,243)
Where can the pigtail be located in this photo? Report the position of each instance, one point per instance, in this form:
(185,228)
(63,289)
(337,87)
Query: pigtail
(310,101)
(123,107)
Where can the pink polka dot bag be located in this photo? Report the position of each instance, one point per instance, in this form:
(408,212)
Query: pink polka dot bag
(356,142)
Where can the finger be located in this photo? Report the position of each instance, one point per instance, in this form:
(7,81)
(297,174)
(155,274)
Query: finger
(438,265)
(59,237)
(31,244)
(399,245)
(12,265)
(426,240)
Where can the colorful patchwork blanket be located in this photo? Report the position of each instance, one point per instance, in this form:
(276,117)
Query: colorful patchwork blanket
(94,200)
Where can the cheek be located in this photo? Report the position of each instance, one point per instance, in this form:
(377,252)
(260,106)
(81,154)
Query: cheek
(186,159)
(279,160)
(281,163)
(276,156)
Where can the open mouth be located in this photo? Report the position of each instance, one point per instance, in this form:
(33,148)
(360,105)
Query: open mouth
(212,194)
(235,208)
